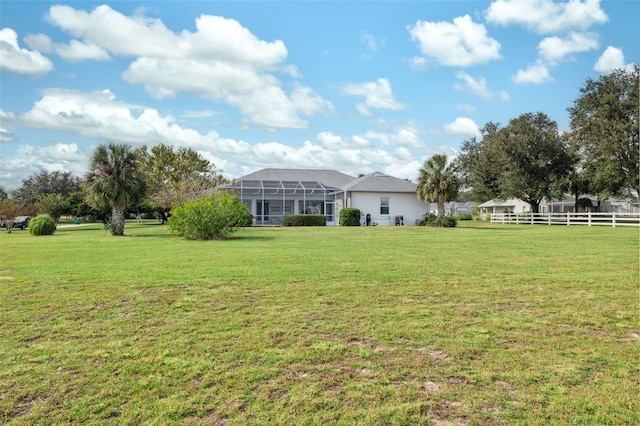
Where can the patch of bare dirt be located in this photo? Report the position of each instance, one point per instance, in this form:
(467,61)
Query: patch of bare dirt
(26,407)
(436,354)
(509,391)
(431,387)
(632,338)
(213,418)
(446,414)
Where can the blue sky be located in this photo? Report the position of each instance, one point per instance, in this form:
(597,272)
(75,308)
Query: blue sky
(357,86)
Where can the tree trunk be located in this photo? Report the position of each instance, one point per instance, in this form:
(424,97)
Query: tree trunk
(117,221)
(535,206)
(441,207)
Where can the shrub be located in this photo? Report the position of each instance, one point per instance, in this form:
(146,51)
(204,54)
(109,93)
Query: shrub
(349,216)
(304,220)
(212,218)
(444,222)
(431,219)
(464,216)
(43,224)
(427,219)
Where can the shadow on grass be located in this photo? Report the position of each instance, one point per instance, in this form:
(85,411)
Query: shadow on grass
(80,228)
(492,226)
(252,237)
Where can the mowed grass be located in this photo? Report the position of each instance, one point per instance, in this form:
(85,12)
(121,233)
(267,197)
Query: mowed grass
(480,324)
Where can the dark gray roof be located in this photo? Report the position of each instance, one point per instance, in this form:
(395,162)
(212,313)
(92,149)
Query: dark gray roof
(379,182)
(329,178)
(373,182)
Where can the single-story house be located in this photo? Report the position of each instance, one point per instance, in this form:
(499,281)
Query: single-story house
(269,194)
(589,203)
(566,204)
(511,205)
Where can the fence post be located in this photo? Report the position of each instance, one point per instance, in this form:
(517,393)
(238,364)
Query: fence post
(568,218)
(548,218)
(613,219)
(589,219)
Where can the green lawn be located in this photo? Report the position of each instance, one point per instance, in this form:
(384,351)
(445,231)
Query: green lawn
(479,324)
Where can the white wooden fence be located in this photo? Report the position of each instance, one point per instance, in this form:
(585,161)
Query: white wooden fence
(589,219)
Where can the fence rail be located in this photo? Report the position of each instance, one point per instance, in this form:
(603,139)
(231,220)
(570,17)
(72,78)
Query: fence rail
(588,219)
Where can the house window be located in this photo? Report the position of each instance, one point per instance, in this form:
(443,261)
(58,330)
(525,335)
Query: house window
(311,207)
(384,205)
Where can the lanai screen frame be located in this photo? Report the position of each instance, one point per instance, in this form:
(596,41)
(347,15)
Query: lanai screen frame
(265,187)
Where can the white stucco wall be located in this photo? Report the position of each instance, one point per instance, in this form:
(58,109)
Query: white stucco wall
(512,205)
(400,204)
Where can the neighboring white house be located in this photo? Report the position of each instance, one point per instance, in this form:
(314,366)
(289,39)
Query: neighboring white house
(610,205)
(269,194)
(562,205)
(512,205)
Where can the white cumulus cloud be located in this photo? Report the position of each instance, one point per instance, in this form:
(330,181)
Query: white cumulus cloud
(30,159)
(611,59)
(547,16)
(555,49)
(462,126)
(478,87)
(39,42)
(99,115)
(552,51)
(76,50)
(221,61)
(467,107)
(19,60)
(462,43)
(378,95)
(536,74)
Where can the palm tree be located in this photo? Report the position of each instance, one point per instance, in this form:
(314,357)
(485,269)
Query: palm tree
(438,182)
(114,181)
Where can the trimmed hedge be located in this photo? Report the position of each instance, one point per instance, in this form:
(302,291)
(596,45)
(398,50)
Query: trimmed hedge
(304,220)
(43,224)
(349,216)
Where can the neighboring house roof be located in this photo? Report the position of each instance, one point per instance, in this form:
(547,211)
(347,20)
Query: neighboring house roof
(511,202)
(566,199)
(379,182)
(330,178)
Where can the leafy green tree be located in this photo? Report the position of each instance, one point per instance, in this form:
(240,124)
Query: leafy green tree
(213,218)
(527,159)
(46,182)
(75,205)
(482,162)
(3,193)
(605,131)
(52,204)
(175,176)
(438,182)
(537,160)
(114,181)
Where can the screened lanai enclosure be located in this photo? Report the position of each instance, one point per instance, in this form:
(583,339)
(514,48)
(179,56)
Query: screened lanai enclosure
(269,201)
(270,194)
